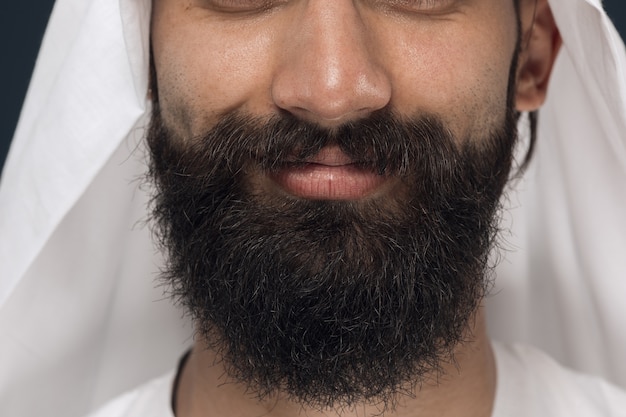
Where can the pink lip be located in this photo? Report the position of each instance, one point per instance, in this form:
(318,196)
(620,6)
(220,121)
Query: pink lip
(329,175)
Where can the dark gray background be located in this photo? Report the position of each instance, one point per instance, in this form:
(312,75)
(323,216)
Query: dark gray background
(22,24)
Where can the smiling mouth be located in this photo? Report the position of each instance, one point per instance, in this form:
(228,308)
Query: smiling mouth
(329,175)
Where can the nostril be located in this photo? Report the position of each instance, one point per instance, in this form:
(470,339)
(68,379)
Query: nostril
(310,95)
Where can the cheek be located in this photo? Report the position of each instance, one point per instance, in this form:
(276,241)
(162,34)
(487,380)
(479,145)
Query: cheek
(460,74)
(201,76)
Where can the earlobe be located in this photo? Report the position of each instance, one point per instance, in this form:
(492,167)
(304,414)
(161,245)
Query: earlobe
(540,44)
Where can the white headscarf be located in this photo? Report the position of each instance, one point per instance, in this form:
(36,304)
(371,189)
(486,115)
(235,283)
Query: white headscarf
(81,316)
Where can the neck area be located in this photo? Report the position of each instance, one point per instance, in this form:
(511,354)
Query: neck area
(466,388)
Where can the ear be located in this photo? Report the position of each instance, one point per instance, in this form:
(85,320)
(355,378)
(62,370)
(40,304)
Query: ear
(540,44)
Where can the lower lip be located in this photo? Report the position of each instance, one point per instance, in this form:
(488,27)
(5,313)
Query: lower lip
(325,182)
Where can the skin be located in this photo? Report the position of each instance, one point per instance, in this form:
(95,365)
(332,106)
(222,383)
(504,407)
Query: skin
(330,62)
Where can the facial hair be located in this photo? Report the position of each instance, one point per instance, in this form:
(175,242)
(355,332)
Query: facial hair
(329,302)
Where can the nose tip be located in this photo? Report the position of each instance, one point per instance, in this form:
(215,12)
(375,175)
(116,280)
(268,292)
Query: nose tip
(328,72)
(331,98)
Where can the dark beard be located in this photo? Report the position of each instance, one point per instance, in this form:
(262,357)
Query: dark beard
(330,302)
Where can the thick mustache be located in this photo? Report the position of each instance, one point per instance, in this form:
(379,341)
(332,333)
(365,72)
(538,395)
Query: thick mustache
(383,142)
(380,142)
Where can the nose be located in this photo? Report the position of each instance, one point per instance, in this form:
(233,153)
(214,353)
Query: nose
(328,70)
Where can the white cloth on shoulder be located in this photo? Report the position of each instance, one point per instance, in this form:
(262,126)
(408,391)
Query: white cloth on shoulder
(562,283)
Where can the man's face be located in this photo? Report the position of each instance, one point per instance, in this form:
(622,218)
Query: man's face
(328,174)
(332,61)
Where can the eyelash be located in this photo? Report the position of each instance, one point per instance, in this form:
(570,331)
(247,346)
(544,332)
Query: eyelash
(243,5)
(256,5)
(417,5)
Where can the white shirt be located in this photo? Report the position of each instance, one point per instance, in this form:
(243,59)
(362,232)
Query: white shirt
(529,384)
(532,384)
